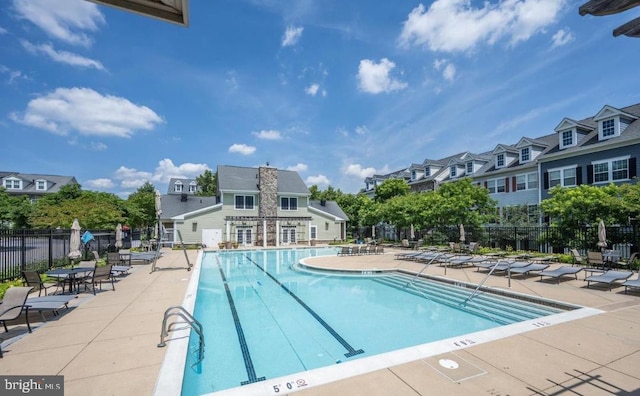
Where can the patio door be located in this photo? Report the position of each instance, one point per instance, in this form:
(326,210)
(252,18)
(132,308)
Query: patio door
(288,235)
(244,236)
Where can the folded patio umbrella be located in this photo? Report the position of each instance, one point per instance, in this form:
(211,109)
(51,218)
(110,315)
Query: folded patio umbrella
(74,240)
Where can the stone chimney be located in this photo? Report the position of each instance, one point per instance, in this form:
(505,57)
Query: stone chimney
(268,202)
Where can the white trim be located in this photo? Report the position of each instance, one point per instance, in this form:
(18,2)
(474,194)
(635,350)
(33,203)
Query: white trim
(574,138)
(562,177)
(610,169)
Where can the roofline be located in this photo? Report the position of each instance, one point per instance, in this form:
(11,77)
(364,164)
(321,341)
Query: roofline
(182,216)
(335,218)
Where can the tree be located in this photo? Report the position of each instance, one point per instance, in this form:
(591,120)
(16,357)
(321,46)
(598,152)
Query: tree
(585,205)
(462,202)
(207,184)
(391,188)
(14,210)
(94,210)
(141,206)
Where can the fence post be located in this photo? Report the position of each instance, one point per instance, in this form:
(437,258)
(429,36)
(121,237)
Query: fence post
(23,250)
(50,264)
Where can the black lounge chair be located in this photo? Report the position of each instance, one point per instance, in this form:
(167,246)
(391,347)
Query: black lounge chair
(609,277)
(560,272)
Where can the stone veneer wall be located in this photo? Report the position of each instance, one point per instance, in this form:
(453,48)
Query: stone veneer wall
(268,202)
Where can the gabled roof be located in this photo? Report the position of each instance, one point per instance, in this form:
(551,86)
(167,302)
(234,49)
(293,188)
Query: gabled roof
(609,111)
(330,207)
(568,123)
(54,182)
(172,204)
(185,183)
(526,142)
(504,148)
(246,179)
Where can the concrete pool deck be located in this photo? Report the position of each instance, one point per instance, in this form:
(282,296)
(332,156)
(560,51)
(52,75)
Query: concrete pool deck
(107,344)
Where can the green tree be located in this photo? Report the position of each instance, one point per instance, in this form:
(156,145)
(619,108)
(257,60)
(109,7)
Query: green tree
(584,205)
(462,202)
(207,183)
(141,206)
(315,193)
(14,210)
(390,188)
(94,210)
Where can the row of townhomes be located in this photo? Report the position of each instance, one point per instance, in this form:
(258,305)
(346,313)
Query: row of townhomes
(597,151)
(261,206)
(33,186)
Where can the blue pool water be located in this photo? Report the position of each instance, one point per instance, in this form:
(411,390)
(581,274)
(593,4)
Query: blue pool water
(263,319)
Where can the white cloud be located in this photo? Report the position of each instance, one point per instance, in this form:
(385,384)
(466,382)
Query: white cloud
(131,178)
(454,25)
(65,20)
(268,135)
(362,130)
(562,37)
(312,89)
(291,36)
(87,112)
(3,30)
(374,78)
(242,149)
(449,72)
(13,74)
(62,56)
(299,167)
(98,146)
(100,184)
(317,180)
(358,171)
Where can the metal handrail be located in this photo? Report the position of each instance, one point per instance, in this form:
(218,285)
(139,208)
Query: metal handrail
(475,291)
(422,270)
(190,321)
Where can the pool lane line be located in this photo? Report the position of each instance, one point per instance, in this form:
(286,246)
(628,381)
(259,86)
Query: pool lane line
(351,350)
(248,363)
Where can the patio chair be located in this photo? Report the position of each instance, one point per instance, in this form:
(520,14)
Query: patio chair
(117,266)
(577,258)
(14,304)
(32,279)
(49,303)
(526,270)
(609,277)
(632,283)
(560,272)
(100,274)
(595,259)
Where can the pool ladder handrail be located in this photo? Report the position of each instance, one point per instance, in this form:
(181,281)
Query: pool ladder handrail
(475,291)
(422,270)
(189,320)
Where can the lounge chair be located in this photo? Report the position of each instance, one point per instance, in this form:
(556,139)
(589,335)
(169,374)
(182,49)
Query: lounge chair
(503,266)
(609,277)
(117,265)
(49,303)
(560,272)
(344,251)
(457,260)
(533,267)
(632,283)
(14,304)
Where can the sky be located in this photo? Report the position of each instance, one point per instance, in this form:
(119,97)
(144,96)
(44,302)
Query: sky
(335,90)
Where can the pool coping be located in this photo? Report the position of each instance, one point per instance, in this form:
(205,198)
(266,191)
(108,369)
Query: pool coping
(170,376)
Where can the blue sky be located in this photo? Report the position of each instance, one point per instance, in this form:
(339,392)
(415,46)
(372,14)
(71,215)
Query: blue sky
(336,90)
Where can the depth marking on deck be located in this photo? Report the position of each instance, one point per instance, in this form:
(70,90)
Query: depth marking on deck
(248,363)
(351,350)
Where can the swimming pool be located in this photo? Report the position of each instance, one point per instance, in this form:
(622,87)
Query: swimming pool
(269,324)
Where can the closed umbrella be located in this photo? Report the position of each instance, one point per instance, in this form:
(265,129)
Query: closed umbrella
(118,243)
(463,237)
(74,242)
(158,204)
(602,235)
(412,232)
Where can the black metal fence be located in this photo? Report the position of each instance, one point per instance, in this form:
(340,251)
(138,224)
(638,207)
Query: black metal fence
(40,250)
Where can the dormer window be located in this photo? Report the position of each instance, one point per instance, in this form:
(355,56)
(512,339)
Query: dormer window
(500,160)
(41,185)
(427,171)
(469,167)
(177,187)
(193,187)
(452,171)
(525,154)
(568,138)
(414,175)
(13,184)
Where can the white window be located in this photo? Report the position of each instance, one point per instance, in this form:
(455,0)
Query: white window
(452,171)
(289,203)
(525,154)
(41,185)
(608,128)
(193,187)
(567,138)
(500,185)
(314,232)
(244,236)
(564,177)
(613,170)
(13,184)
(288,234)
(244,202)
(500,160)
(491,186)
(469,167)
(527,182)
(177,187)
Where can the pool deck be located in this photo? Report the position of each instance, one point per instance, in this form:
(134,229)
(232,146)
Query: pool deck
(107,344)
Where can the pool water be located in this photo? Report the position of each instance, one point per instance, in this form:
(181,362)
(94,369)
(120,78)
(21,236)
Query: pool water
(263,319)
